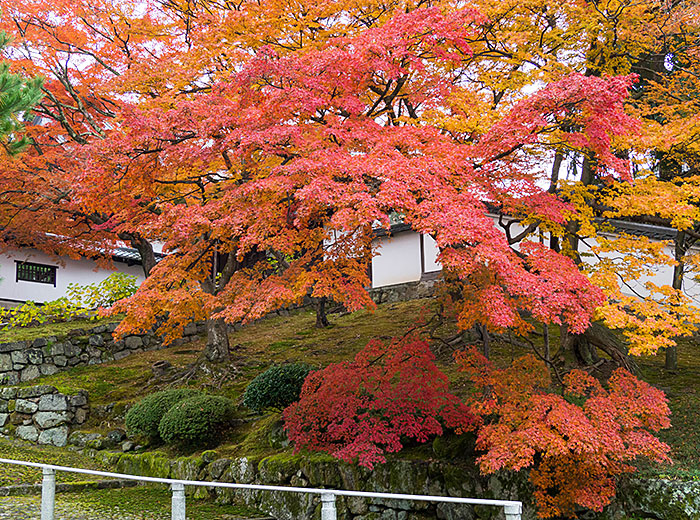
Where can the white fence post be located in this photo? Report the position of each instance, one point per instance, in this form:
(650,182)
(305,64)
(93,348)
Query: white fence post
(178,503)
(513,512)
(48,493)
(328,506)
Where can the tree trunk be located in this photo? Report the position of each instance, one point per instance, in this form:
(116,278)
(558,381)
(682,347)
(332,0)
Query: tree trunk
(486,338)
(679,253)
(217,348)
(148,257)
(321,318)
(547,350)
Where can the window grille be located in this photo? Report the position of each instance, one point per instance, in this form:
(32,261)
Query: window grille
(29,272)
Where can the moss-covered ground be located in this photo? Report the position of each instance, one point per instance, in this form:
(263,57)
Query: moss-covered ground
(295,338)
(50,329)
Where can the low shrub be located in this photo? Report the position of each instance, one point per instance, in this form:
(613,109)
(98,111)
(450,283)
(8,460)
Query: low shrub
(197,421)
(144,417)
(276,388)
(390,394)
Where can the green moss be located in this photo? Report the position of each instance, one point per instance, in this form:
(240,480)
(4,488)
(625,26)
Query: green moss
(51,329)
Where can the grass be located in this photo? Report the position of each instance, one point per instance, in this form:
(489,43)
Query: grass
(51,329)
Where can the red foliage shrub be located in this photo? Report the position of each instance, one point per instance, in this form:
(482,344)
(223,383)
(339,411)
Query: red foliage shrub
(576,443)
(359,410)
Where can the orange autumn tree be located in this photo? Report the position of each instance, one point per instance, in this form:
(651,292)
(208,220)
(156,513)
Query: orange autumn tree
(273,149)
(575,443)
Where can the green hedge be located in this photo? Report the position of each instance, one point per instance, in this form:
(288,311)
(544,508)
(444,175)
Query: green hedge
(276,388)
(197,421)
(144,417)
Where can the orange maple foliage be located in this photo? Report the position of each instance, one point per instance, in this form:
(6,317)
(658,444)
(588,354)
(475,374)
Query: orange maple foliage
(575,443)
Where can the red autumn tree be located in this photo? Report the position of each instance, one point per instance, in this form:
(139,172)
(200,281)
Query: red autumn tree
(358,411)
(575,443)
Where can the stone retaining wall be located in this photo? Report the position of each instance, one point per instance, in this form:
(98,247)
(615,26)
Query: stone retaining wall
(658,499)
(22,361)
(41,413)
(402,292)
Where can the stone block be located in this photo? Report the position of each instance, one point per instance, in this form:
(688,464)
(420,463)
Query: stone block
(121,354)
(81,439)
(39,342)
(60,360)
(55,436)
(81,415)
(96,340)
(47,420)
(27,433)
(79,400)
(8,393)
(19,356)
(35,391)
(71,350)
(3,407)
(35,356)
(58,349)
(25,406)
(5,362)
(47,369)
(4,417)
(53,403)
(29,373)
(133,342)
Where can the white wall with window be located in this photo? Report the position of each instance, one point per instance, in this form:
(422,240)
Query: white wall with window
(31,275)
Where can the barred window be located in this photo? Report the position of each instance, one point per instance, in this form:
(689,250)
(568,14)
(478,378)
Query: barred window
(40,273)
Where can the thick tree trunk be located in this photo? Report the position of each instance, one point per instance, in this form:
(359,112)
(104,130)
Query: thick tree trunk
(148,256)
(217,347)
(321,317)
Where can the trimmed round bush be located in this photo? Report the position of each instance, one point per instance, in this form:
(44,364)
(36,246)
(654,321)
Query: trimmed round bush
(144,417)
(197,421)
(276,388)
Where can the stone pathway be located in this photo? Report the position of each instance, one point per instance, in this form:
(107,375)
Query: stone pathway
(29,508)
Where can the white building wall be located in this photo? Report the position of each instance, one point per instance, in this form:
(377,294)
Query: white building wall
(430,254)
(82,272)
(398,259)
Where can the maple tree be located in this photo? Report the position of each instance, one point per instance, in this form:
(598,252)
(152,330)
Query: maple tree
(575,443)
(362,409)
(245,137)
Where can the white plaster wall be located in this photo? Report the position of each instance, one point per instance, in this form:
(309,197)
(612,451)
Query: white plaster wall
(398,259)
(430,254)
(69,271)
